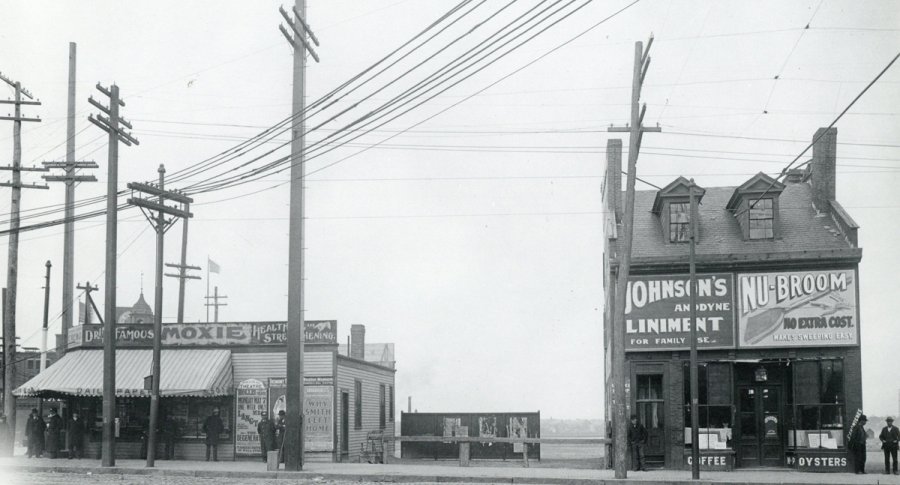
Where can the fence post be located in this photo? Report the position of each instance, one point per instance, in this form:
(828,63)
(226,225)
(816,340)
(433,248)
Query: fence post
(525,454)
(463,446)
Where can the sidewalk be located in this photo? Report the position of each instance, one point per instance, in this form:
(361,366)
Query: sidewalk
(430,472)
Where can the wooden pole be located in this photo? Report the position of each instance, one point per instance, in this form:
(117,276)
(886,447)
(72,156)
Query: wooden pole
(46,316)
(695,383)
(68,282)
(157,323)
(183,272)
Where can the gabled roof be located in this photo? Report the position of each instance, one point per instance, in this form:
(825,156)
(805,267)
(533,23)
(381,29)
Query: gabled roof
(679,188)
(758,185)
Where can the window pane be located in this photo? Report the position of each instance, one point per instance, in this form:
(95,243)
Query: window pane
(679,221)
(761,218)
(719,383)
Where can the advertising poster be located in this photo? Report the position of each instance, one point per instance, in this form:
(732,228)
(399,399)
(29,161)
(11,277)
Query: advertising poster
(518,428)
(487,426)
(201,334)
(250,401)
(319,421)
(277,399)
(657,312)
(797,309)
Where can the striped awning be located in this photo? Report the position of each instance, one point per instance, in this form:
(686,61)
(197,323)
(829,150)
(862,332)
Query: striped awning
(185,372)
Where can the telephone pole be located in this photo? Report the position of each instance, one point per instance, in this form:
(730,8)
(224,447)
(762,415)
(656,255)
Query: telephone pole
(161,225)
(695,382)
(215,298)
(89,302)
(183,267)
(636,130)
(111,125)
(69,167)
(12,271)
(293,439)
(48,264)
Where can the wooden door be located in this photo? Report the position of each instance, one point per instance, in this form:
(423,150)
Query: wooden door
(761,440)
(650,409)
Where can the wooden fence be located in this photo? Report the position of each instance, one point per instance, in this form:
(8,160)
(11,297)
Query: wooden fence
(465,441)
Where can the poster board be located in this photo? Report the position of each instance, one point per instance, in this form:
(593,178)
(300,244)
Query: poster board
(250,402)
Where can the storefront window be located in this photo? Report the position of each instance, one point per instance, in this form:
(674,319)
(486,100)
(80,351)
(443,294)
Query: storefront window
(190,414)
(715,406)
(818,410)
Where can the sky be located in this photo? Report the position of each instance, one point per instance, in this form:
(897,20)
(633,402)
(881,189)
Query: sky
(468,231)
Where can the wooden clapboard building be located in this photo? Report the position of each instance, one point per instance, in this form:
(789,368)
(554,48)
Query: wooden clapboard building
(237,368)
(777,317)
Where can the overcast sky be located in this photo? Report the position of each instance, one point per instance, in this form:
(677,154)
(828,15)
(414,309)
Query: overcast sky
(474,239)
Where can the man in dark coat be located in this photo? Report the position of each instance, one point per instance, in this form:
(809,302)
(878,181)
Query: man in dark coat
(266,430)
(213,427)
(637,438)
(857,445)
(279,435)
(75,435)
(34,433)
(5,450)
(54,427)
(169,431)
(889,437)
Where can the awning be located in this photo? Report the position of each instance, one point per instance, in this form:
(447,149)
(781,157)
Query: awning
(185,372)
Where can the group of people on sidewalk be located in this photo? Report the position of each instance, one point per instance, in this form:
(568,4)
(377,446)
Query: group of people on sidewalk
(271,435)
(890,437)
(43,438)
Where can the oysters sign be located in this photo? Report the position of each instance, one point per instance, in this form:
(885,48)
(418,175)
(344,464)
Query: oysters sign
(797,309)
(658,312)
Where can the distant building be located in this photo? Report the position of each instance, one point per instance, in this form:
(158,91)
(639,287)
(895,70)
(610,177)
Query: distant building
(777,317)
(140,312)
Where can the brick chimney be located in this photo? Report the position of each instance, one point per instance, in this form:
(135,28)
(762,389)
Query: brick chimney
(823,168)
(614,176)
(358,341)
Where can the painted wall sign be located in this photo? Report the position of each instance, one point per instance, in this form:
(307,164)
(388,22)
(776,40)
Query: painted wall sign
(657,312)
(797,309)
(714,462)
(250,401)
(833,461)
(202,334)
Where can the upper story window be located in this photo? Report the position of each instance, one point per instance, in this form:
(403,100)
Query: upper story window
(679,221)
(762,219)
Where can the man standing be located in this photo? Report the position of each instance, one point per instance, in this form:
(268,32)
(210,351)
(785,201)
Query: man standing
(279,435)
(857,445)
(889,437)
(54,426)
(34,433)
(75,433)
(637,438)
(213,427)
(4,436)
(266,431)
(169,431)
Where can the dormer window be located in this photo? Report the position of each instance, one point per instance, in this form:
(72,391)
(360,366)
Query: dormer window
(679,221)
(672,206)
(755,207)
(762,219)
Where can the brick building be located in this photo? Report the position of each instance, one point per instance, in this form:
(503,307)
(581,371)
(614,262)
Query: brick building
(777,317)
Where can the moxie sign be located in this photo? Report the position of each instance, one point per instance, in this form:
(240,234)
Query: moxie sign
(203,334)
(657,312)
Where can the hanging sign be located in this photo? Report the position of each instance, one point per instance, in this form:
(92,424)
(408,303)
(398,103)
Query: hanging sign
(658,312)
(797,309)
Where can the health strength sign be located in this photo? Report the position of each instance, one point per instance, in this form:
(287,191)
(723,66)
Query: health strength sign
(797,309)
(658,312)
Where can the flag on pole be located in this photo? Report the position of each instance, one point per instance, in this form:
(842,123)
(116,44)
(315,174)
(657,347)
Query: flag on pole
(212,266)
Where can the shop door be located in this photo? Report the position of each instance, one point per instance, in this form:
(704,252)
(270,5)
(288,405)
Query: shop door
(651,413)
(761,442)
(345,425)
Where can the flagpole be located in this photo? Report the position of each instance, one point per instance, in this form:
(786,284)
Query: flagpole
(207,288)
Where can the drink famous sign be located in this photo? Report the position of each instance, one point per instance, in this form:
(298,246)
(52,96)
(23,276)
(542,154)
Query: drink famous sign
(657,312)
(202,334)
(797,309)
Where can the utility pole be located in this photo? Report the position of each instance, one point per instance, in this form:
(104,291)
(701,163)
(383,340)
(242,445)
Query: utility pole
(12,271)
(69,167)
(215,298)
(695,382)
(636,131)
(183,267)
(111,126)
(48,264)
(89,302)
(294,439)
(161,225)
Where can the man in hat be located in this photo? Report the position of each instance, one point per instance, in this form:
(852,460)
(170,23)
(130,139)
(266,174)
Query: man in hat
(54,426)
(637,438)
(75,435)
(279,435)
(857,445)
(889,437)
(34,433)
(266,431)
(213,428)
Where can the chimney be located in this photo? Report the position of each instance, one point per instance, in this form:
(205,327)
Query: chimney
(823,168)
(358,341)
(614,176)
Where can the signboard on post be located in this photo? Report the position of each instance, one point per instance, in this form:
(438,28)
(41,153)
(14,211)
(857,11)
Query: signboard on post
(657,312)
(250,401)
(318,410)
(797,309)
